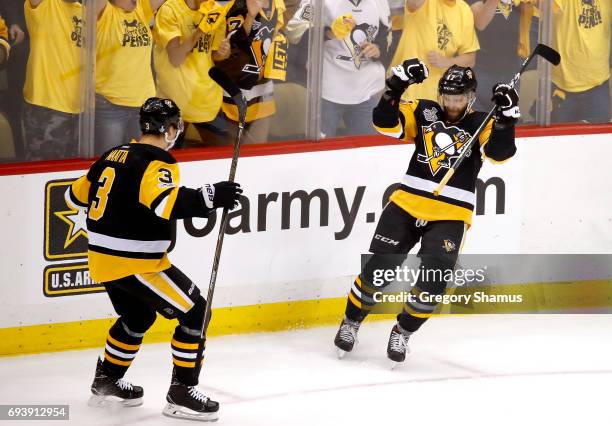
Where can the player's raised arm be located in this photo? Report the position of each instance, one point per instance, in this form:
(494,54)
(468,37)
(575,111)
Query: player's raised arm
(498,140)
(391,118)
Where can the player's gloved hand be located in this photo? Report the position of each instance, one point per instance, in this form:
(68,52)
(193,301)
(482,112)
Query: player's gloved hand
(507,101)
(222,194)
(409,72)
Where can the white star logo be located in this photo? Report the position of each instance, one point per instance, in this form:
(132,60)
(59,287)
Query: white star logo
(77,221)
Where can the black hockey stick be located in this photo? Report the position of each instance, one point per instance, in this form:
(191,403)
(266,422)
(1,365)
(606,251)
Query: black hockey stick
(232,89)
(549,54)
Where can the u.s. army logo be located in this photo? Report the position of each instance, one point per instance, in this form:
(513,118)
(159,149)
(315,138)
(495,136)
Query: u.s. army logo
(65,228)
(65,238)
(442,145)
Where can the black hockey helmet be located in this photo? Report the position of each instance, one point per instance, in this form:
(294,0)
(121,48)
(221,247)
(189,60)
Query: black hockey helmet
(457,80)
(157,115)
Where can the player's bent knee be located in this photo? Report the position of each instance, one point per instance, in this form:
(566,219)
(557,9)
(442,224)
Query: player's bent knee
(138,323)
(194,317)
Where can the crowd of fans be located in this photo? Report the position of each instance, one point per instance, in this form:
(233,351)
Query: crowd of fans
(166,47)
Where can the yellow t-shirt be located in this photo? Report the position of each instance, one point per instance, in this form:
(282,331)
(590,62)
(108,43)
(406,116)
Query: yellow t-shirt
(4,36)
(439,25)
(54,64)
(189,85)
(582,38)
(124,44)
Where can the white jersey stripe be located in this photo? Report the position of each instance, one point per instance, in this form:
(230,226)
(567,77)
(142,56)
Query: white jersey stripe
(124,244)
(448,191)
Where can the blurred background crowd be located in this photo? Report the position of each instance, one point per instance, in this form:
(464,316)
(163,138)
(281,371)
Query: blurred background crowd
(73,74)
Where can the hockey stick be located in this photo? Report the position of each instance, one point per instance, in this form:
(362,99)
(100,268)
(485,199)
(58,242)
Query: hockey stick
(230,87)
(549,54)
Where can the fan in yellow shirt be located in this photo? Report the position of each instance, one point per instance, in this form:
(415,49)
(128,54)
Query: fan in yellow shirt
(442,33)
(187,41)
(51,90)
(582,37)
(124,77)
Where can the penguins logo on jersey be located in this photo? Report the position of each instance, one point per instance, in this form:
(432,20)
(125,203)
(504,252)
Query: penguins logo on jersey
(442,145)
(260,46)
(449,246)
(362,33)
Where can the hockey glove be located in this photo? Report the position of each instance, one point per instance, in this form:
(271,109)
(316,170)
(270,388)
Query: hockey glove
(222,194)
(411,71)
(507,101)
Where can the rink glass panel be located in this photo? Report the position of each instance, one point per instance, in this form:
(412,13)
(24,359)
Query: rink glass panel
(301,100)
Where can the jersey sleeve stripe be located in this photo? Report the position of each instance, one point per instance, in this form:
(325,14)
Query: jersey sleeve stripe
(79,192)
(72,201)
(159,204)
(395,132)
(170,201)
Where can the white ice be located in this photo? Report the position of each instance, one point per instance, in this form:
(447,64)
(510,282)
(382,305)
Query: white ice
(470,370)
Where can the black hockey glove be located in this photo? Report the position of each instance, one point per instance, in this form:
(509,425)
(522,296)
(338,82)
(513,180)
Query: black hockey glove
(411,71)
(222,194)
(507,101)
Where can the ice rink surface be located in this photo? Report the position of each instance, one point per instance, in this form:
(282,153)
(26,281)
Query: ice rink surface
(469,370)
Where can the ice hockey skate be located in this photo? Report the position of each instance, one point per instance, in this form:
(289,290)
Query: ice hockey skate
(397,348)
(346,337)
(108,390)
(188,402)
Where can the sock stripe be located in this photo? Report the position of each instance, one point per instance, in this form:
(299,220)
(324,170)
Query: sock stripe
(114,352)
(121,345)
(116,361)
(185,355)
(354,300)
(186,364)
(187,346)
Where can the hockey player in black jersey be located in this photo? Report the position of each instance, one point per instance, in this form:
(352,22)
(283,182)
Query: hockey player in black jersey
(131,195)
(441,131)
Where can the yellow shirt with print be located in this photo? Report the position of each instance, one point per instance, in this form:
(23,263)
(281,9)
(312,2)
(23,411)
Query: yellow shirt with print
(438,25)
(189,85)
(124,43)
(54,64)
(582,38)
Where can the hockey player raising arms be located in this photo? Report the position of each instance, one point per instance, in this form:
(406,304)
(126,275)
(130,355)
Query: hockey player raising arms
(440,131)
(131,195)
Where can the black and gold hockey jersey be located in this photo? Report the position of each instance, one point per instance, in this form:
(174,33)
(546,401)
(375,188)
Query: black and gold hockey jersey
(256,59)
(437,146)
(132,193)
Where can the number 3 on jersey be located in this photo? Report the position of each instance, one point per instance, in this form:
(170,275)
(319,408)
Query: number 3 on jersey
(98,204)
